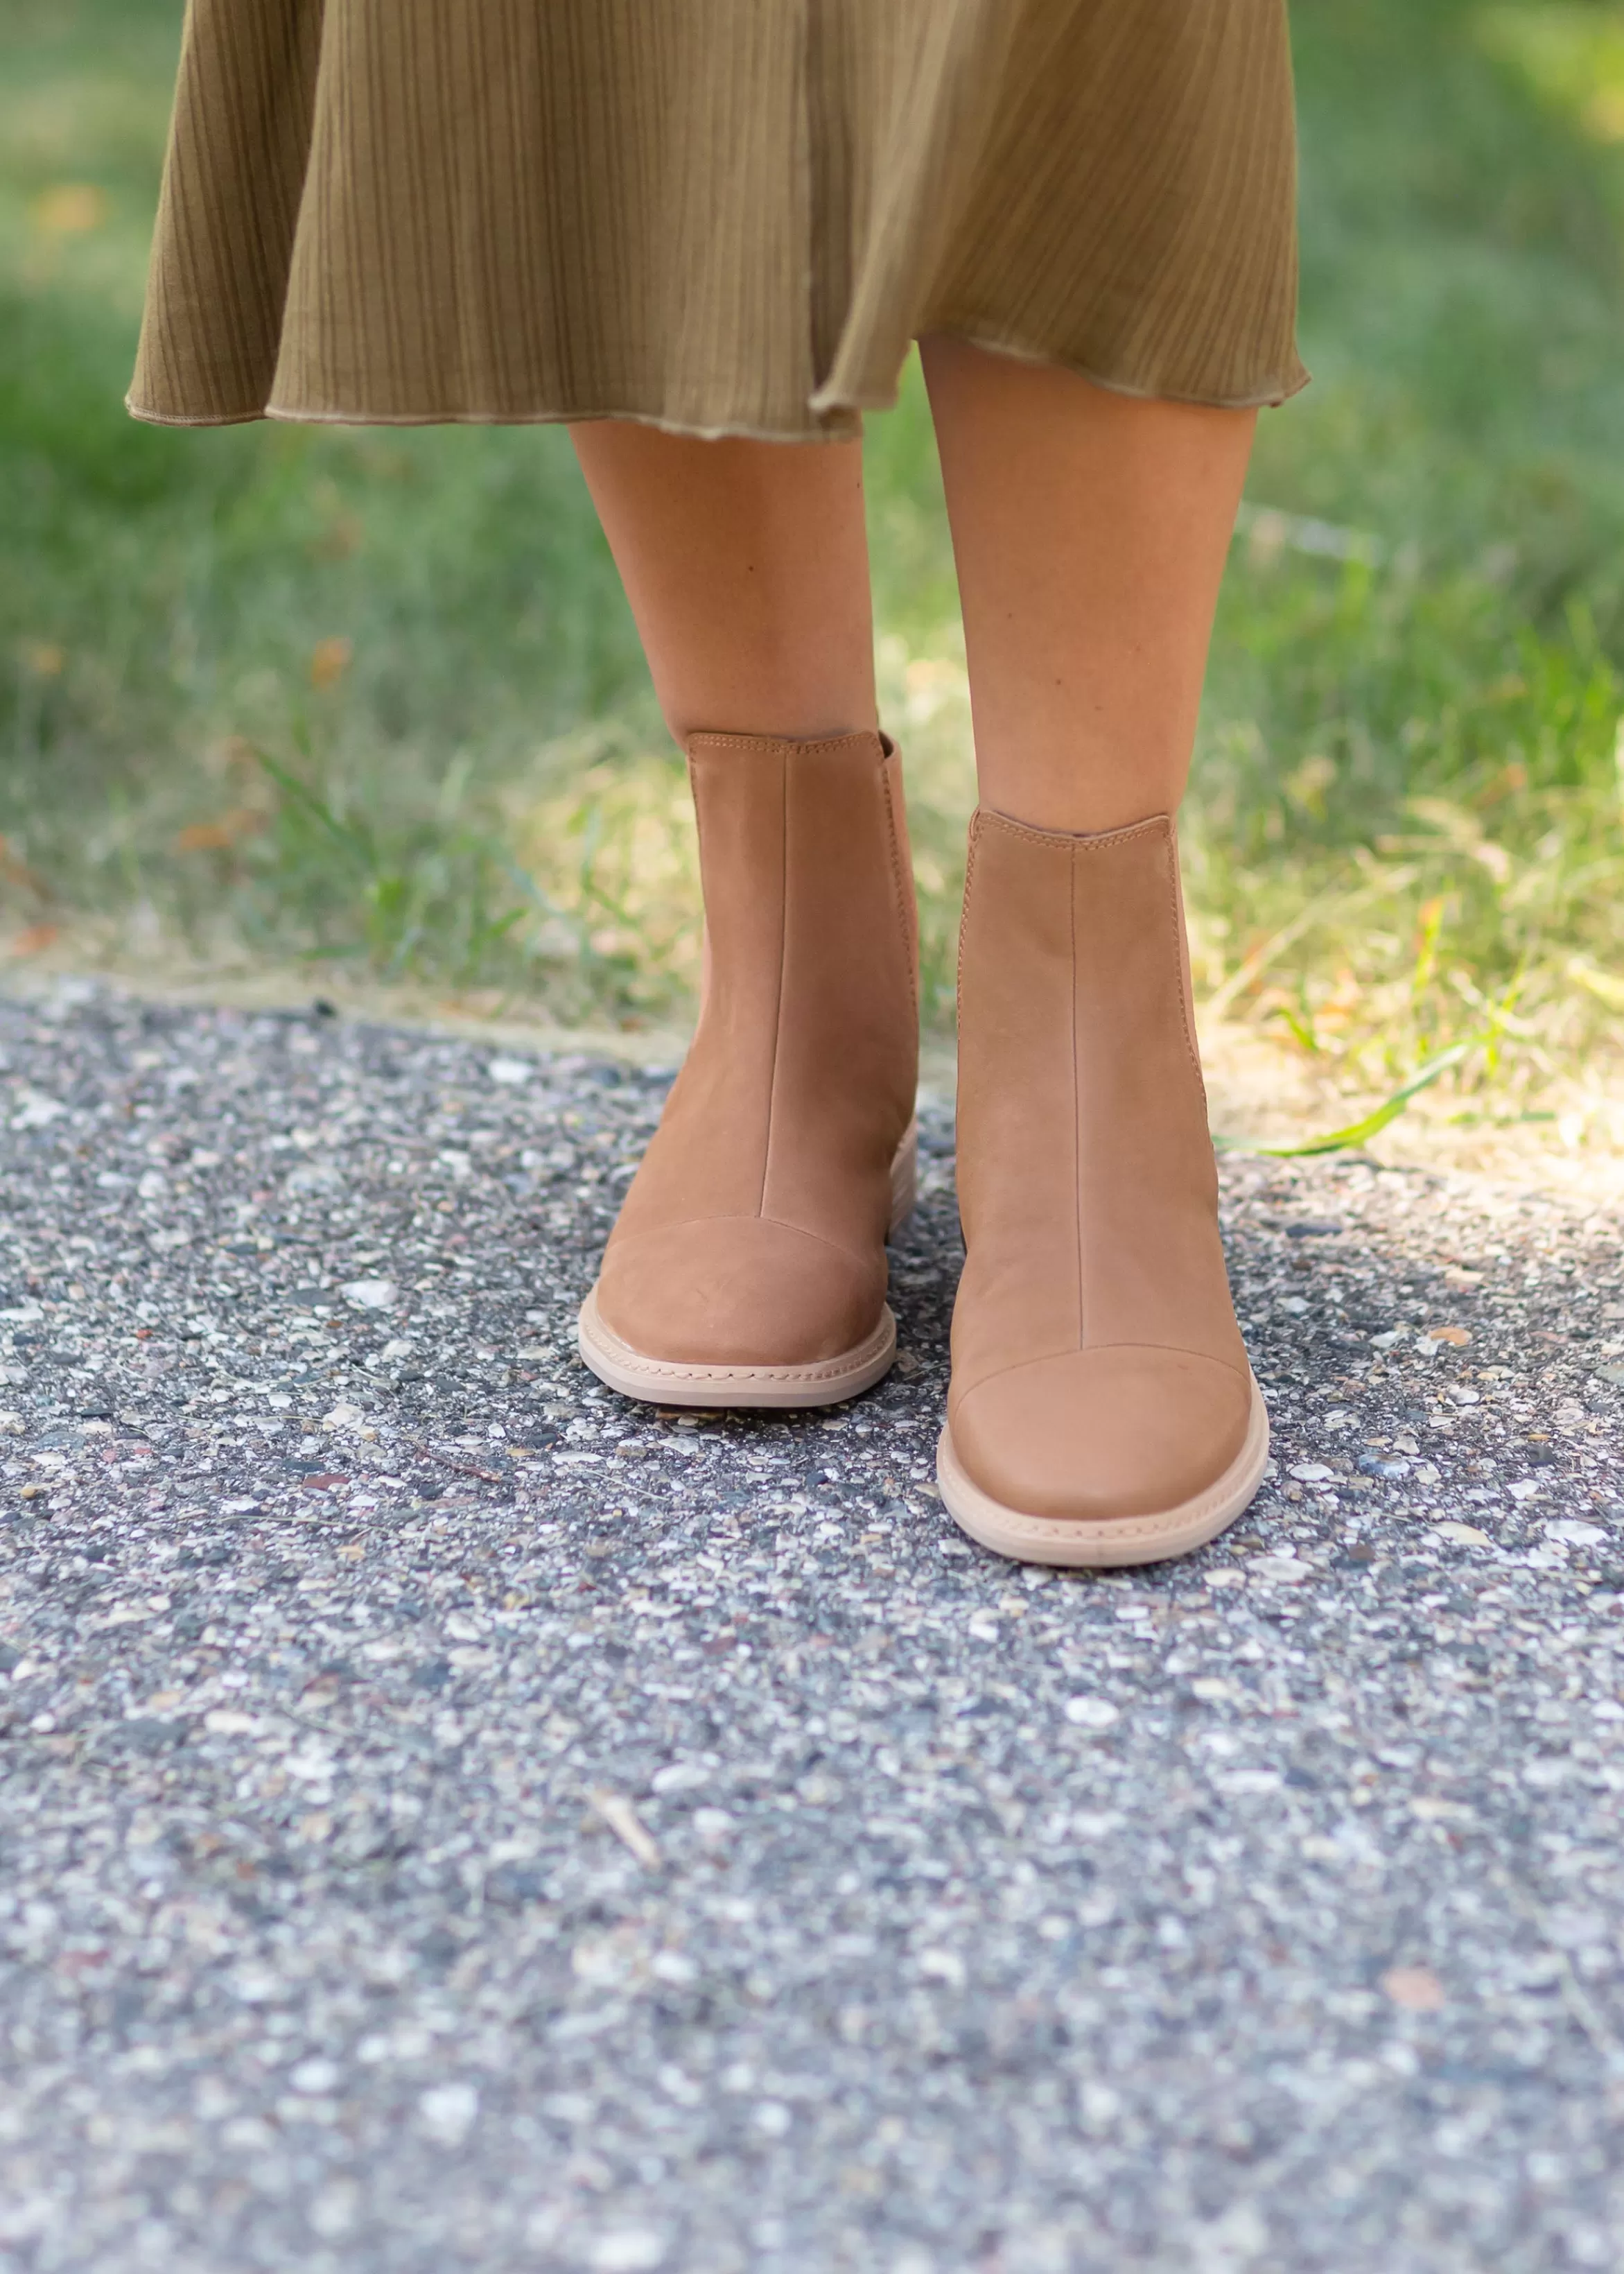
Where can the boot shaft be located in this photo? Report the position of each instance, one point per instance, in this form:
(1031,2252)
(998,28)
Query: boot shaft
(801,1080)
(1082,1116)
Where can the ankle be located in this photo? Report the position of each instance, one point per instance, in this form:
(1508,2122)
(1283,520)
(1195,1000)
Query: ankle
(1075,830)
(1083,801)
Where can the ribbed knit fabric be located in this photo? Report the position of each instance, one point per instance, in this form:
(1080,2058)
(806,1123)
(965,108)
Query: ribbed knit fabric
(721,215)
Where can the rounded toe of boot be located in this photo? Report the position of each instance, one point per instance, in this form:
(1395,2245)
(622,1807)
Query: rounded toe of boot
(1104,1455)
(707,1311)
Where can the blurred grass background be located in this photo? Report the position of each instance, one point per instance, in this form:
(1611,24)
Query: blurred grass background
(372,699)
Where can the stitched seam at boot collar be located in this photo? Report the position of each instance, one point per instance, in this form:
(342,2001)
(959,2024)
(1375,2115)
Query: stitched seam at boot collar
(725,739)
(963,913)
(1098,840)
(898,883)
(1178,960)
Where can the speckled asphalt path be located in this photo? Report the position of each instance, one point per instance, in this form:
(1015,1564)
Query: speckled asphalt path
(450,1818)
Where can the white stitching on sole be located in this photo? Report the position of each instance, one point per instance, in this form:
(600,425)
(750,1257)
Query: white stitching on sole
(665,1381)
(829,1381)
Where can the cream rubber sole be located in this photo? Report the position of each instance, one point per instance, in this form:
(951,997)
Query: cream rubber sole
(1106,1543)
(823,1381)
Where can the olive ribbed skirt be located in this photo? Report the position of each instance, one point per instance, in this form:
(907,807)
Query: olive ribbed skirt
(726,217)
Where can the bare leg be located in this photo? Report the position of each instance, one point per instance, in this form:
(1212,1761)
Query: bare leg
(1090,531)
(746,568)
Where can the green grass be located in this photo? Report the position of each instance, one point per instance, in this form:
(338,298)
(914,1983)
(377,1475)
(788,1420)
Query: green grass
(373,698)
(1412,769)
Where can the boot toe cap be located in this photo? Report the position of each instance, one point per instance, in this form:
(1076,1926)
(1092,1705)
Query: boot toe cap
(1103,1433)
(738,1291)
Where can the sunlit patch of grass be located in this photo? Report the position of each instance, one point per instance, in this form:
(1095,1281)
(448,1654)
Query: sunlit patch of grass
(1572,56)
(1445,861)
(611,862)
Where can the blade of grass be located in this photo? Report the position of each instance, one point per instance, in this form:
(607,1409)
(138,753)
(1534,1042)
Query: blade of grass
(305,799)
(1360,1133)
(1601,984)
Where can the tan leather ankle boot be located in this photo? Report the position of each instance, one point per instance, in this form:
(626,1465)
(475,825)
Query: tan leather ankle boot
(1102,1411)
(748,1265)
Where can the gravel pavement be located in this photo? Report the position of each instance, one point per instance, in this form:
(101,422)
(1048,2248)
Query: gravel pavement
(450,1818)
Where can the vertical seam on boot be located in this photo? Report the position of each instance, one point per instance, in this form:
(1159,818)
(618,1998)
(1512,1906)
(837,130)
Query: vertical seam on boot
(699,827)
(1073,880)
(959,971)
(964,909)
(777,1019)
(699,846)
(910,953)
(1178,958)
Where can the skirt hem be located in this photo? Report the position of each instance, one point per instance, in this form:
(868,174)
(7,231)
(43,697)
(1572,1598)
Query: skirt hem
(149,417)
(286,414)
(1269,396)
